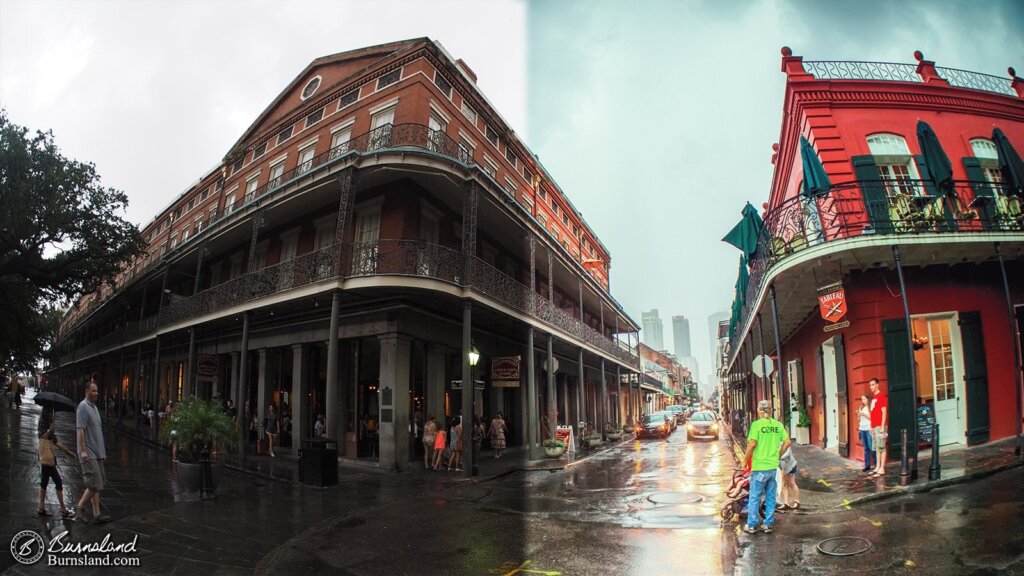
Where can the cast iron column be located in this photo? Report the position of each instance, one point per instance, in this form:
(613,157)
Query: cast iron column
(331,395)
(531,395)
(243,389)
(784,404)
(467,390)
(913,369)
(1016,350)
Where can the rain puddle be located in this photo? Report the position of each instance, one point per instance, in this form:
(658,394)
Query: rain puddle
(675,498)
(670,517)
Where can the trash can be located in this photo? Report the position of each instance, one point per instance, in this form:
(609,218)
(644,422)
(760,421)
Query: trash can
(318,462)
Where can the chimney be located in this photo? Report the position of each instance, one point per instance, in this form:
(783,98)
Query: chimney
(466,69)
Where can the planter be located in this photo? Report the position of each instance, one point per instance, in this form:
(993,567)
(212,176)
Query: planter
(803,435)
(627,429)
(615,436)
(190,476)
(554,451)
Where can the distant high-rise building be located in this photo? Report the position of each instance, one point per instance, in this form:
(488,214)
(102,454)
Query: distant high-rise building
(713,321)
(681,336)
(653,334)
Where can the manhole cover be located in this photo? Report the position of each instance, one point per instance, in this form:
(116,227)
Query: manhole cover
(844,546)
(675,498)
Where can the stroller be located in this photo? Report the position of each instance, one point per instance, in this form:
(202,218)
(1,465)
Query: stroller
(739,496)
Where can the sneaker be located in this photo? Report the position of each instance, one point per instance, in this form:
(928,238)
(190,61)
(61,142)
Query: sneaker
(750,529)
(766,529)
(104,518)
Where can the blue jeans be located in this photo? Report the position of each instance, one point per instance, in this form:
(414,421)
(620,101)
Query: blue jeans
(762,482)
(870,458)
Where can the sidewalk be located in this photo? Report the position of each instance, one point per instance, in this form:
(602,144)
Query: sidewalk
(828,481)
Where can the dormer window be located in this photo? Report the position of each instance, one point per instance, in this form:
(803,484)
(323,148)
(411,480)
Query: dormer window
(310,88)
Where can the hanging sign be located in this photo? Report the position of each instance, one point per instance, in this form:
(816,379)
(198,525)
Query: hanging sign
(207,365)
(505,371)
(832,304)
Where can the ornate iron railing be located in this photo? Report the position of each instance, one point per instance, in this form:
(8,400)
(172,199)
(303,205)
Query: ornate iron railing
(976,80)
(878,207)
(853,70)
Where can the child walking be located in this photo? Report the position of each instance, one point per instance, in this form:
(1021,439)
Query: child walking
(48,464)
(440,441)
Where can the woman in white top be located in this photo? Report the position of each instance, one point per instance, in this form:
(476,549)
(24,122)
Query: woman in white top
(864,427)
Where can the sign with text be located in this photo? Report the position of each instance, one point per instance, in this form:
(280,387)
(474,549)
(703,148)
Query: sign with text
(564,433)
(207,365)
(832,305)
(505,371)
(477,384)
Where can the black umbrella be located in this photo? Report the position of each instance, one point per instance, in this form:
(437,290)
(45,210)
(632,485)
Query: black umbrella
(1010,163)
(939,168)
(58,402)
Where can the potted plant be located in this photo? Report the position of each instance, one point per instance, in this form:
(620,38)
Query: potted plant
(803,427)
(199,428)
(591,440)
(628,426)
(553,448)
(614,433)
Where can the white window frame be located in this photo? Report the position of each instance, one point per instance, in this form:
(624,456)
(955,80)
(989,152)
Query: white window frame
(251,184)
(895,163)
(302,93)
(468,112)
(491,167)
(277,165)
(338,130)
(303,166)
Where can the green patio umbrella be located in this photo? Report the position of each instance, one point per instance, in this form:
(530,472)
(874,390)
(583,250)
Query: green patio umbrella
(1009,163)
(746,233)
(939,169)
(816,180)
(740,298)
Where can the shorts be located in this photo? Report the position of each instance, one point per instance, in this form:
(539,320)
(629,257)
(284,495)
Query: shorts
(94,476)
(48,472)
(792,471)
(879,438)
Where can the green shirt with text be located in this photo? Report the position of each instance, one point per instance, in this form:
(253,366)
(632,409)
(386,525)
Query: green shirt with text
(769,434)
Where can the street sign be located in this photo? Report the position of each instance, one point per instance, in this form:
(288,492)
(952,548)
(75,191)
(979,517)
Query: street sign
(477,384)
(756,366)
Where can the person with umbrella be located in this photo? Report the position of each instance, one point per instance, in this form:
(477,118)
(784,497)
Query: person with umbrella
(48,460)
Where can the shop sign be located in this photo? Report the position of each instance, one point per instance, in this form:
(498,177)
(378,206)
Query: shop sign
(505,371)
(207,365)
(832,304)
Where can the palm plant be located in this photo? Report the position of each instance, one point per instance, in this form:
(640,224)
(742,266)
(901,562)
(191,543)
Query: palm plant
(198,426)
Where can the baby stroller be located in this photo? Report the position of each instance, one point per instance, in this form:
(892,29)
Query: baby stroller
(739,496)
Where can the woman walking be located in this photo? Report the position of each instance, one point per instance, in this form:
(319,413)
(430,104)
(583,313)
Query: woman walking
(864,429)
(429,431)
(273,428)
(440,441)
(497,433)
(455,460)
(48,464)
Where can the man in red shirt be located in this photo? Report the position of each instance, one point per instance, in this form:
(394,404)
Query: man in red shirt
(879,425)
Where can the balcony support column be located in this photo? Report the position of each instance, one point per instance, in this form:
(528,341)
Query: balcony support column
(784,392)
(603,413)
(190,377)
(618,399)
(331,395)
(199,270)
(1016,349)
(552,401)
(912,449)
(581,400)
(243,389)
(532,304)
(347,181)
(470,201)
(257,222)
(301,429)
(531,393)
(154,385)
(766,381)
(468,388)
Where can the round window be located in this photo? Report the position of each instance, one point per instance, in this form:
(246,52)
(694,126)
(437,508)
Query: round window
(311,87)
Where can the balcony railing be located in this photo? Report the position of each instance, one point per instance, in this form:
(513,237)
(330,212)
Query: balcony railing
(383,257)
(897,72)
(877,208)
(976,80)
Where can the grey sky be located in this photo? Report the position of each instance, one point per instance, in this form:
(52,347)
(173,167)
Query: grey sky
(657,119)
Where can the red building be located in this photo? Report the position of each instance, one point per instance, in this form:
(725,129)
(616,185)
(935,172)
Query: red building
(373,226)
(829,258)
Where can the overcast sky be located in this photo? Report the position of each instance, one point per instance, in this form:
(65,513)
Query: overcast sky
(656,118)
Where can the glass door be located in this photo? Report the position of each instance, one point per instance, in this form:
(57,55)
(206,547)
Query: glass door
(943,377)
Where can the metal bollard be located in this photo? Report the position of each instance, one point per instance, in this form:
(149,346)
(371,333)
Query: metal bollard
(904,464)
(935,470)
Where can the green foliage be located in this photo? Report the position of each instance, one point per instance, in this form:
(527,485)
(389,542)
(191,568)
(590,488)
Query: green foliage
(805,420)
(199,426)
(549,443)
(60,237)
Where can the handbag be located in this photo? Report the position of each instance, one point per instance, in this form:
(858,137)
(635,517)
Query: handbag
(46,455)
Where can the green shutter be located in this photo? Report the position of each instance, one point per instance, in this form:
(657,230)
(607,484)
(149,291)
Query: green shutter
(902,399)
(975,376)
(873,191)
(841,397)
(948,223)
(979,184)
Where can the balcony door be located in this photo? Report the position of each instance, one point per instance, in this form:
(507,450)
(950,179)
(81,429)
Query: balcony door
(365,249)
(938,356)
(289,246)
(380,128)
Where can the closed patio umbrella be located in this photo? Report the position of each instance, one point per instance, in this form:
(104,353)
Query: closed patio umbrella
(1010,163)
(940,171)
(745,234)
(816,180)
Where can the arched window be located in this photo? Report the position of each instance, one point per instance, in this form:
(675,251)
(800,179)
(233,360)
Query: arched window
(895,163)
(988,159)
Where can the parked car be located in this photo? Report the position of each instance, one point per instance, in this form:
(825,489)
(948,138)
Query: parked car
(702,425)
(671,419)
(655,424)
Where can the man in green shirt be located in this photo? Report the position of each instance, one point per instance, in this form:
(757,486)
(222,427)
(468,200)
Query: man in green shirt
(766,439)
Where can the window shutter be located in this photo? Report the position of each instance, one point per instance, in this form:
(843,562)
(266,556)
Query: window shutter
(876,202)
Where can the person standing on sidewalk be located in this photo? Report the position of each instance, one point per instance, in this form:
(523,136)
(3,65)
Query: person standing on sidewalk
(766,439)
(92,452)
(879,424)
(864,428)
(273,428)
(48,464)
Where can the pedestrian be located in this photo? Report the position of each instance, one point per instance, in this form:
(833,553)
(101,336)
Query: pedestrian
(319,429)
(864,429)
(272,428)
(879,423)
(455,459)
(48,464)
(763,449)
(429,431)
(790,494)
(92,453)
(497,434)
(440,439)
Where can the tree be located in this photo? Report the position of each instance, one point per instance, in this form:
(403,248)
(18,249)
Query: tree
(60,237)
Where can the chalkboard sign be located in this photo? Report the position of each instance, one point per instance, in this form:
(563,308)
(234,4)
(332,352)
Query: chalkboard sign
(925,425)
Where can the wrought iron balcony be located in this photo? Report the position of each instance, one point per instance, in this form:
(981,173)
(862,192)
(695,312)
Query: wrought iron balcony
(897,72)
(380,258)
(877,208)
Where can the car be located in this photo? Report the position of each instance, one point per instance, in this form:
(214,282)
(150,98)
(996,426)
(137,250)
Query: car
(671,419)
(655,424)
(678,411)
(702,425)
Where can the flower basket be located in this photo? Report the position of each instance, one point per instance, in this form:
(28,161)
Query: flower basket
(554,448)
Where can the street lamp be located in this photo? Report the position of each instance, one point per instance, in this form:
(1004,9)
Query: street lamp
(474,357)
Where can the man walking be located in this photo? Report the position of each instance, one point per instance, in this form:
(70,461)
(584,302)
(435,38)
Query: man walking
(879,425)
(766,439)
(91,452)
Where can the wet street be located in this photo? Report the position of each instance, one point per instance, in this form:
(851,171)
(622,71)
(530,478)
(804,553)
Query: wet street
(646,507)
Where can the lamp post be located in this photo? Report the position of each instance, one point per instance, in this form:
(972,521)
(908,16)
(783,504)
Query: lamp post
(474,357)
